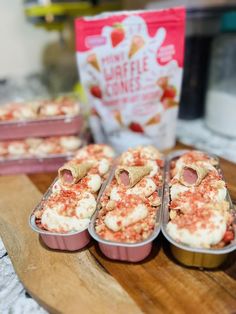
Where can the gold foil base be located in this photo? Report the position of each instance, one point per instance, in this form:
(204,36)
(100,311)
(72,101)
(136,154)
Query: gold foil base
(201,260)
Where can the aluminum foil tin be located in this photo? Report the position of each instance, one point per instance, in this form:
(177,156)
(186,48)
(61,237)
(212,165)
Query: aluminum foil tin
(130,252)
(33,165)
(61,241)
(42,127)
(189,256)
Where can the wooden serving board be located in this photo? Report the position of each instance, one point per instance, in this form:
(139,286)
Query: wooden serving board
(87,282)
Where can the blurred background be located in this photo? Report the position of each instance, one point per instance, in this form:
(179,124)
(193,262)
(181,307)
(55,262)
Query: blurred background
(38,59)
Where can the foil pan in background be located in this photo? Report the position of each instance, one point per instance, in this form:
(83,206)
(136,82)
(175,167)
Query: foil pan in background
(197,257)
(45,126)
(33,164)
(130,252)
(36,164)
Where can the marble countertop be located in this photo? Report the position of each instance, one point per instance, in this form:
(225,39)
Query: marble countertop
(13,297)
(195,133)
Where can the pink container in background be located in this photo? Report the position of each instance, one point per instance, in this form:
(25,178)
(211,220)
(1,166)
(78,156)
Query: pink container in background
(43,127)
(33,165)
(72,241)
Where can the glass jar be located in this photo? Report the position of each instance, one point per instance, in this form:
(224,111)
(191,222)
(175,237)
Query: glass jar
(221,93)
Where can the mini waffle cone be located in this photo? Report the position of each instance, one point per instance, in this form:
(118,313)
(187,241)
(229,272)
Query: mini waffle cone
(78,171)
(135,174)
(201,173)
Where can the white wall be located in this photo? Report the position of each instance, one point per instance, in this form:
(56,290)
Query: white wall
(21,43)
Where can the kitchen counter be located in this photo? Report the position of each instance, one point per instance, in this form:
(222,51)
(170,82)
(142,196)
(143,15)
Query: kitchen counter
(195,133)
(159,283)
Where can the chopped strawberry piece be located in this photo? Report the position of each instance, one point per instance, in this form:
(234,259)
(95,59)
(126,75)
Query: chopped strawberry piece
(136,127)
(169,92)
(117,35)
(96,91)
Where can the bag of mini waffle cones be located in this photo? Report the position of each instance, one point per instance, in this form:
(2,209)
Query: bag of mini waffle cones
(131,66)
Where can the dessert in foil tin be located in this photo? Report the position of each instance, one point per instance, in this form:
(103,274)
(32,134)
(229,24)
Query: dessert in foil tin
(199,209)
(72,200)
(130,202)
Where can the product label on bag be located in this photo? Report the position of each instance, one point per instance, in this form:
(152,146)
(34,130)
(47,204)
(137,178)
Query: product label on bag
(131,66)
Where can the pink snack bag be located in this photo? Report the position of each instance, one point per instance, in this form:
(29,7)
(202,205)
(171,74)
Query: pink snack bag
(131,66)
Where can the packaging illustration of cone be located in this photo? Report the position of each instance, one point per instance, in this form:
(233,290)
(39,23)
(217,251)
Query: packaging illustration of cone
(129,176)
(118,117)
(136,44)
(154,120)
(92,59)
